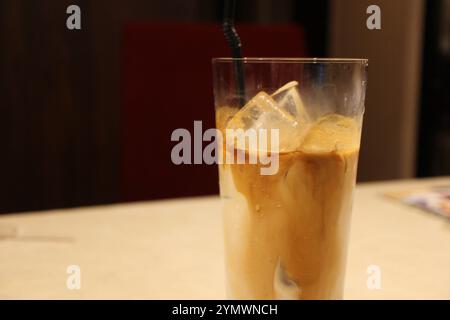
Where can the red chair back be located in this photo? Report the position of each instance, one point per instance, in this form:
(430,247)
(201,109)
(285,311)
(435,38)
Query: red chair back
(167,84)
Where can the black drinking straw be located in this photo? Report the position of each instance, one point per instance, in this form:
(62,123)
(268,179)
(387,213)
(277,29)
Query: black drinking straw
(235,45)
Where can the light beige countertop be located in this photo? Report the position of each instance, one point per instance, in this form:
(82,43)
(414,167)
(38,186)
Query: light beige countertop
(173,250)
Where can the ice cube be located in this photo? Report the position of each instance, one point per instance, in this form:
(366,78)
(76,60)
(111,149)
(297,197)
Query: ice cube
(284,287)
(263,112)
(332,133)
(289,100)
(283,110)
(256,113)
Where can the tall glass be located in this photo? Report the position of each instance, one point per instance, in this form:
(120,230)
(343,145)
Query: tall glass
(286,232)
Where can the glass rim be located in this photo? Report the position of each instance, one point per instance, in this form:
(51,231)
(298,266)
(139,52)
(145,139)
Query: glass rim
(290,60)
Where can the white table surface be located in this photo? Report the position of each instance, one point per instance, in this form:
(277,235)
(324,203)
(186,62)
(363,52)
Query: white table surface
(173,250)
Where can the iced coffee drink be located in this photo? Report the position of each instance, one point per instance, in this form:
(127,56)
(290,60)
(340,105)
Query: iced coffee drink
(286,233)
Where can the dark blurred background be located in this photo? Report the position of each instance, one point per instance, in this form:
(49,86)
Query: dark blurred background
(86,115)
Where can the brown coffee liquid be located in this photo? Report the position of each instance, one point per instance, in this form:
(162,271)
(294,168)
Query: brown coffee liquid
(286,234)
